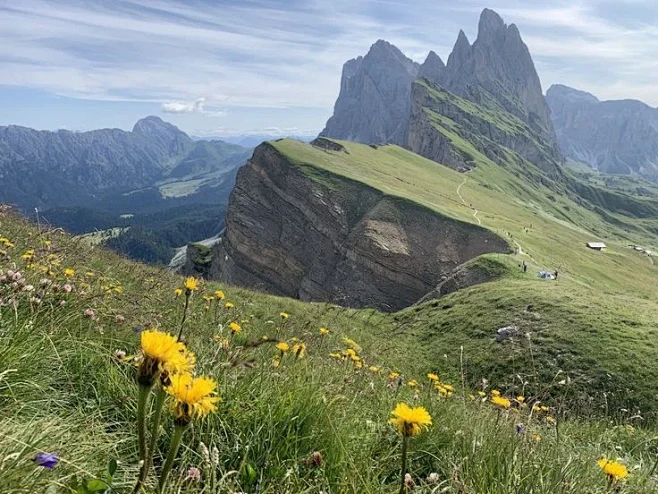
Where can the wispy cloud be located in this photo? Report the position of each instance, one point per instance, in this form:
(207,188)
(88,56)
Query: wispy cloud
(203,58)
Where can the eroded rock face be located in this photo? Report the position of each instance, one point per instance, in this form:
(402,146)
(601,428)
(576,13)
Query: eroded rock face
(374,99)
(336,240)
(377,101)
(610,136)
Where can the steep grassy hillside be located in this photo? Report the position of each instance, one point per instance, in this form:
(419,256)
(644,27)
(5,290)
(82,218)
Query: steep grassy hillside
(596,323)
(70,326)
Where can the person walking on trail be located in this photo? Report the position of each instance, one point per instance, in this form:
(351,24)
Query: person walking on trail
(555,274)
(524,266)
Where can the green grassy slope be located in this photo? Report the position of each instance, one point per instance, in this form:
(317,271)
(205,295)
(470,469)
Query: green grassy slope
(63,389)
(597,321)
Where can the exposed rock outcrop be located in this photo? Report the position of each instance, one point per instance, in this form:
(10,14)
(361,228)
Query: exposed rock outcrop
(496,73)
(374,99)
(609,136)
(335,239)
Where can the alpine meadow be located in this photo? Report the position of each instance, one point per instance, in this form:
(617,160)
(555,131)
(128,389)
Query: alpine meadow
(450,289)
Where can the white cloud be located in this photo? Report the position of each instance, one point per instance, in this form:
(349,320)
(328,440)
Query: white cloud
(183,106)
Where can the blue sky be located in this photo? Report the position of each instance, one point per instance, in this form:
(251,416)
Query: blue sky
(229,67)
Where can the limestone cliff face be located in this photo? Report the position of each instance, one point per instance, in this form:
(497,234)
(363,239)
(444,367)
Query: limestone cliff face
(334,239)
(373,104)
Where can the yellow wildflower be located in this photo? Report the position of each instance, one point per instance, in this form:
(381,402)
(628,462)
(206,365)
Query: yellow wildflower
(299,350)
(161,352)
(536,437)
(482,394)
(178,292)
(495,392)
(191,284)
(410,421)
(352,344)
(374,368)
(324,331)
(276,362)
(393,375)
(229,305)
(283,346)
(336,355)
(235,327)
(283,315)
(69,272)
(501,402)
(433,377)
(219,294)
(412,383)
(193,397)
(612,469)
(520,399)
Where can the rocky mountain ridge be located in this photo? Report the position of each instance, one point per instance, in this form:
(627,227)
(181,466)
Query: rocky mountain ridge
(302,232)
(63,168)
(618,137)
(495,74)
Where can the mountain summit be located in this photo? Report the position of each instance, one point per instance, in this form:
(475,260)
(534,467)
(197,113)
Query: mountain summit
(382,99)
(610,136)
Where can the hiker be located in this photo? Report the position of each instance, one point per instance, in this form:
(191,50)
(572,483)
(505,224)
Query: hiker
(555,274)
(524,266)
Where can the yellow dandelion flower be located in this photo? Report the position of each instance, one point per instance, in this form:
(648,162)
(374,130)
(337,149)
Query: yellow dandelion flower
(536,437)
(410,421)
(161,352)
(412,383)
(283,346)
(191,284)
(336,356)
(118,289)
(501,402)
(614,470)
(352,344)
(482,394)
(324,331)
(193,397)
(350,352)
(448,387)
(374,368)
(178,292)
(235,327)
(393,375)
(89,273)
(536,408)
(495,392)
(520,399)
(544,409)
(68,272)
(433,377)
(276,362)
(229,305)
(284,315)
(219,294)
(299,350)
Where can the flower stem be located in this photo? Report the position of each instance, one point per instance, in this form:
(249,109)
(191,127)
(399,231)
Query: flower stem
(142,400)
(155,424)
(182,322)
(171,456)
(405,445)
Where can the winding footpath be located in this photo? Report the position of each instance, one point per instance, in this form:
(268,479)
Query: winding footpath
(475,211)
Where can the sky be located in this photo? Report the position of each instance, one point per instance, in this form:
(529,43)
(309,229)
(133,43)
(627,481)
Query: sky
(273,67)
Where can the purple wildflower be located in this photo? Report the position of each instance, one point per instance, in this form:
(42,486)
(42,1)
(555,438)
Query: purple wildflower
(46,460)
(520,429)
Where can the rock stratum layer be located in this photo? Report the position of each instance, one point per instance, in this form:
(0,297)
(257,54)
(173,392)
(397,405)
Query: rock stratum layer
(304,232)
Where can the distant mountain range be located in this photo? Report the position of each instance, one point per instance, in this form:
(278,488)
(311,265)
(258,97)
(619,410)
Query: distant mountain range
(253,140)
(609,136)
(488,94)
(46,169)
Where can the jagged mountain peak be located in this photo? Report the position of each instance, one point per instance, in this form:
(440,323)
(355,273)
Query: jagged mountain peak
(384,52)
(433,68)
(460,52)
(490,24)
